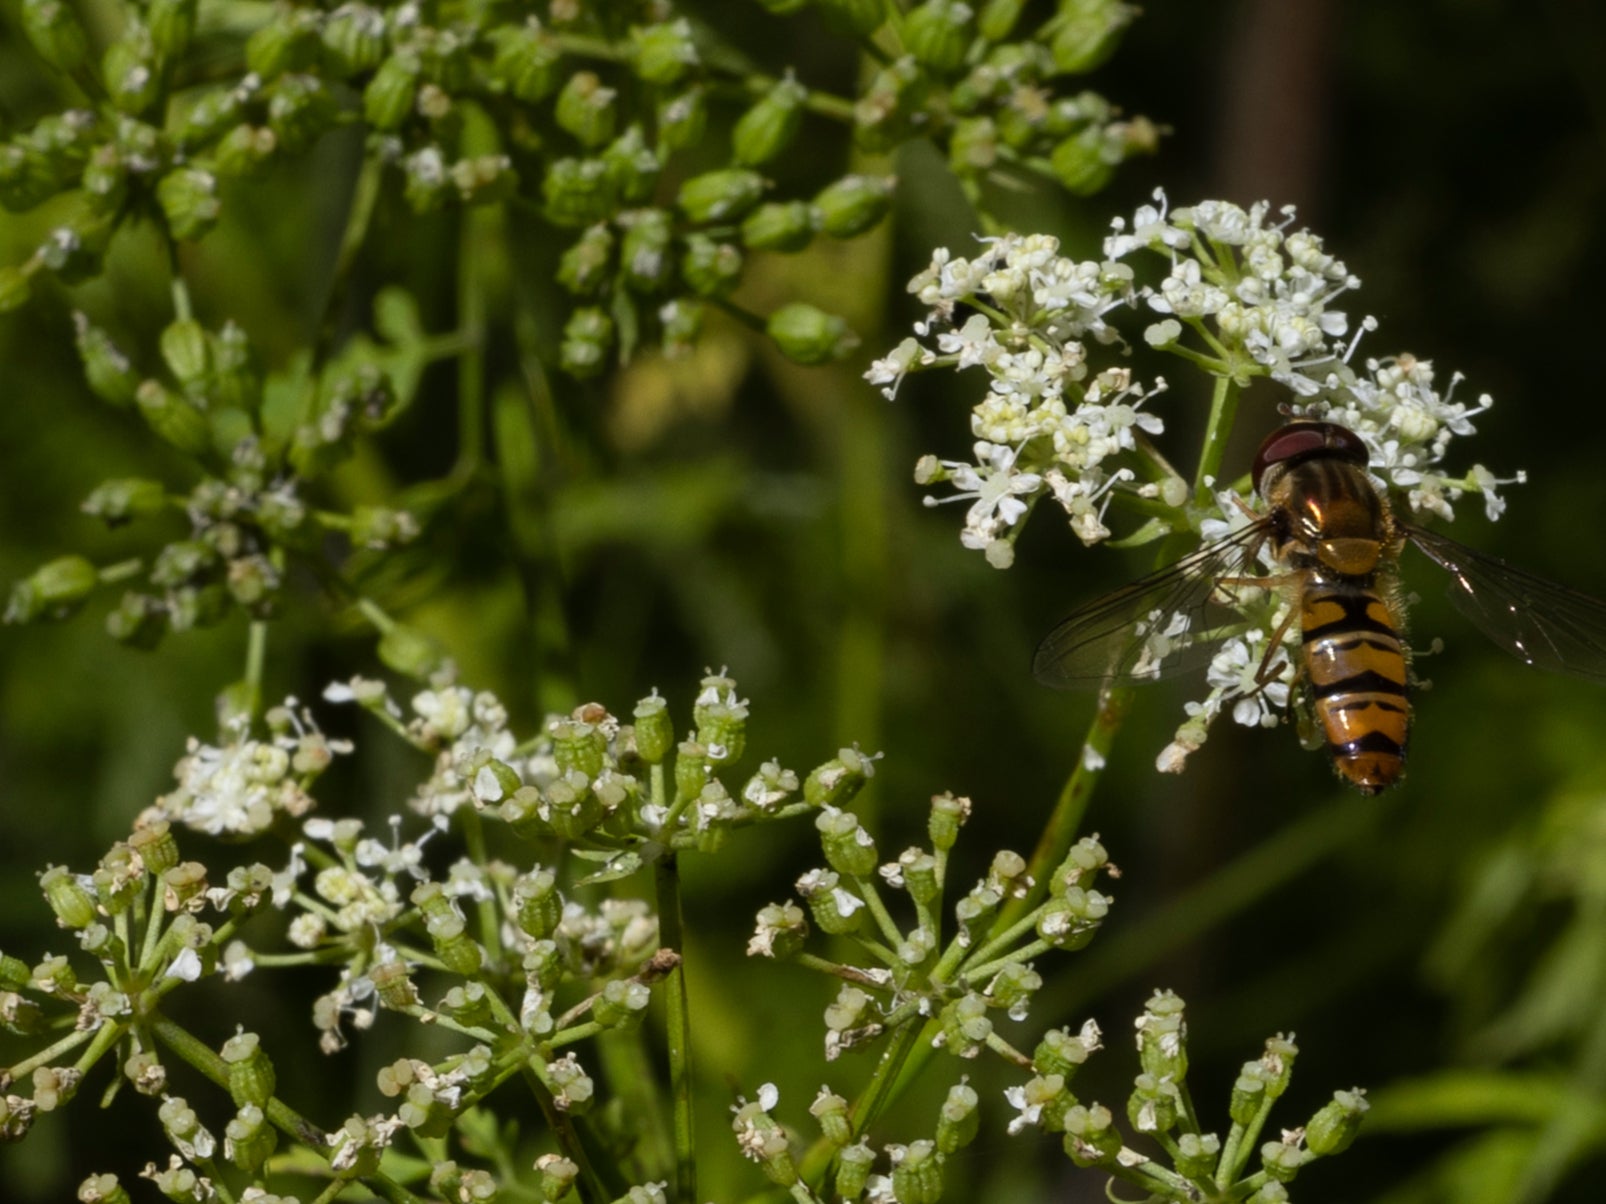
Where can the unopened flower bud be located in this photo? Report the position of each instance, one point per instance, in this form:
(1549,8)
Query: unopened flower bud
(301,110)
(1248,1094)
(1281,1160)
(917,1175)
(249,1139)
(1061,1052)
(959,1118)
(831,1110)
(779,226)
(939,32)
(394,985)
(1081,866)
(810,336)
(244,151)
(655,734)
(1197,1154)
(997,18)
(587,109)
(571,1087)
(662,53)
(779,933)
(584,268)
(102,1189)
(1070,921)
(853,204)
(769,127)
(186,352)
(1336,1123)
(720,196)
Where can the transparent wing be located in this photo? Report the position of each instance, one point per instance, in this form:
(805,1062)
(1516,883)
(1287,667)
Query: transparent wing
(1544,624)
(1156,627)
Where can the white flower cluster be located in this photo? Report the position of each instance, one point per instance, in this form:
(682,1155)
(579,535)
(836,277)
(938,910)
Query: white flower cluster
(1051,419)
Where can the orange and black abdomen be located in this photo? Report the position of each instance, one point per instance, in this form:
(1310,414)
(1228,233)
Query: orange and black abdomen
(1356,671)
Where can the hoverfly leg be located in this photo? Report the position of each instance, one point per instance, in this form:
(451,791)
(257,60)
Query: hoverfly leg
(1266,674)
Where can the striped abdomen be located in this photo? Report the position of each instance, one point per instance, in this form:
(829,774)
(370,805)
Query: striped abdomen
(1355,668)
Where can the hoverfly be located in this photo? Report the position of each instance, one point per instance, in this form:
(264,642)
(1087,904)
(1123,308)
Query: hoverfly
(1337,543)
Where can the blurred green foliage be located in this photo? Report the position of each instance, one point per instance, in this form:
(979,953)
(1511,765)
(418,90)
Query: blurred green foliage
(1442,945)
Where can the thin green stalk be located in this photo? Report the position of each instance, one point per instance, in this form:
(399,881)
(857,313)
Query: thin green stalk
(666,880)
(1066,818)
(1223,409)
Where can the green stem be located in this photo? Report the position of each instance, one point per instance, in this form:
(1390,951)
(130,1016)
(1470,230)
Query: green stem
(364,195)
(1223,409)
(666,880)
(1065,820)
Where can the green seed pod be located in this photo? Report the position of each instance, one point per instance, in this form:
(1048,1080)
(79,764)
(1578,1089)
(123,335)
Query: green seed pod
(244,151)
(779,226)
(587,340)
(484,179)
(662,53)
(189,201)
(769,127)
(644,254)
(1248,1094)
(837,781)
(56,34)
(573,808)
(301,110)
(837,911)
(118,501)
(443,55)
(537,905)
(948,813)
(853,204)
(710,268)
(1091,1138)
(110,375)
(964,1025)
(621,1005)
(187,353)
(654,730)
(393,983)
(578,746)
(721,196)
(959,1120)
(587,109)
(557,1176)
(780,933)
(885,114)
(1082,162)
(525,62)
(1335,1125)
(1086,32)
(578,192)
(854,1162)
(139,621)
(849,848)
(387,101)
(288,42)
(973,149)
(997,18)
(132,74)
(1197,1155)
(1063,1053)
(250,1139)
(682,120)
(27,176)
(586,265)
(808,335)
(237,381)
(831,1110)
(354,38)
(428,181)
(634,166)
(1281,1160)
(250,1070)
(68,898)
(861,17)
(682,321)
(172,25)
(215,112)
(939,34)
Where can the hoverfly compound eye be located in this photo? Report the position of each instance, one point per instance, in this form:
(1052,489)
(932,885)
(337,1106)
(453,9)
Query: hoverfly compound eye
(1299,441)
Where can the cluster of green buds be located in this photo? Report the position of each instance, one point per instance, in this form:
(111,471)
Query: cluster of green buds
(256,439)
(1160,1111)
(579,116)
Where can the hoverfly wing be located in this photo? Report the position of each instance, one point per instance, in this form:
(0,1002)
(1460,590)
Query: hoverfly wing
(1547,625)
(1154,628)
